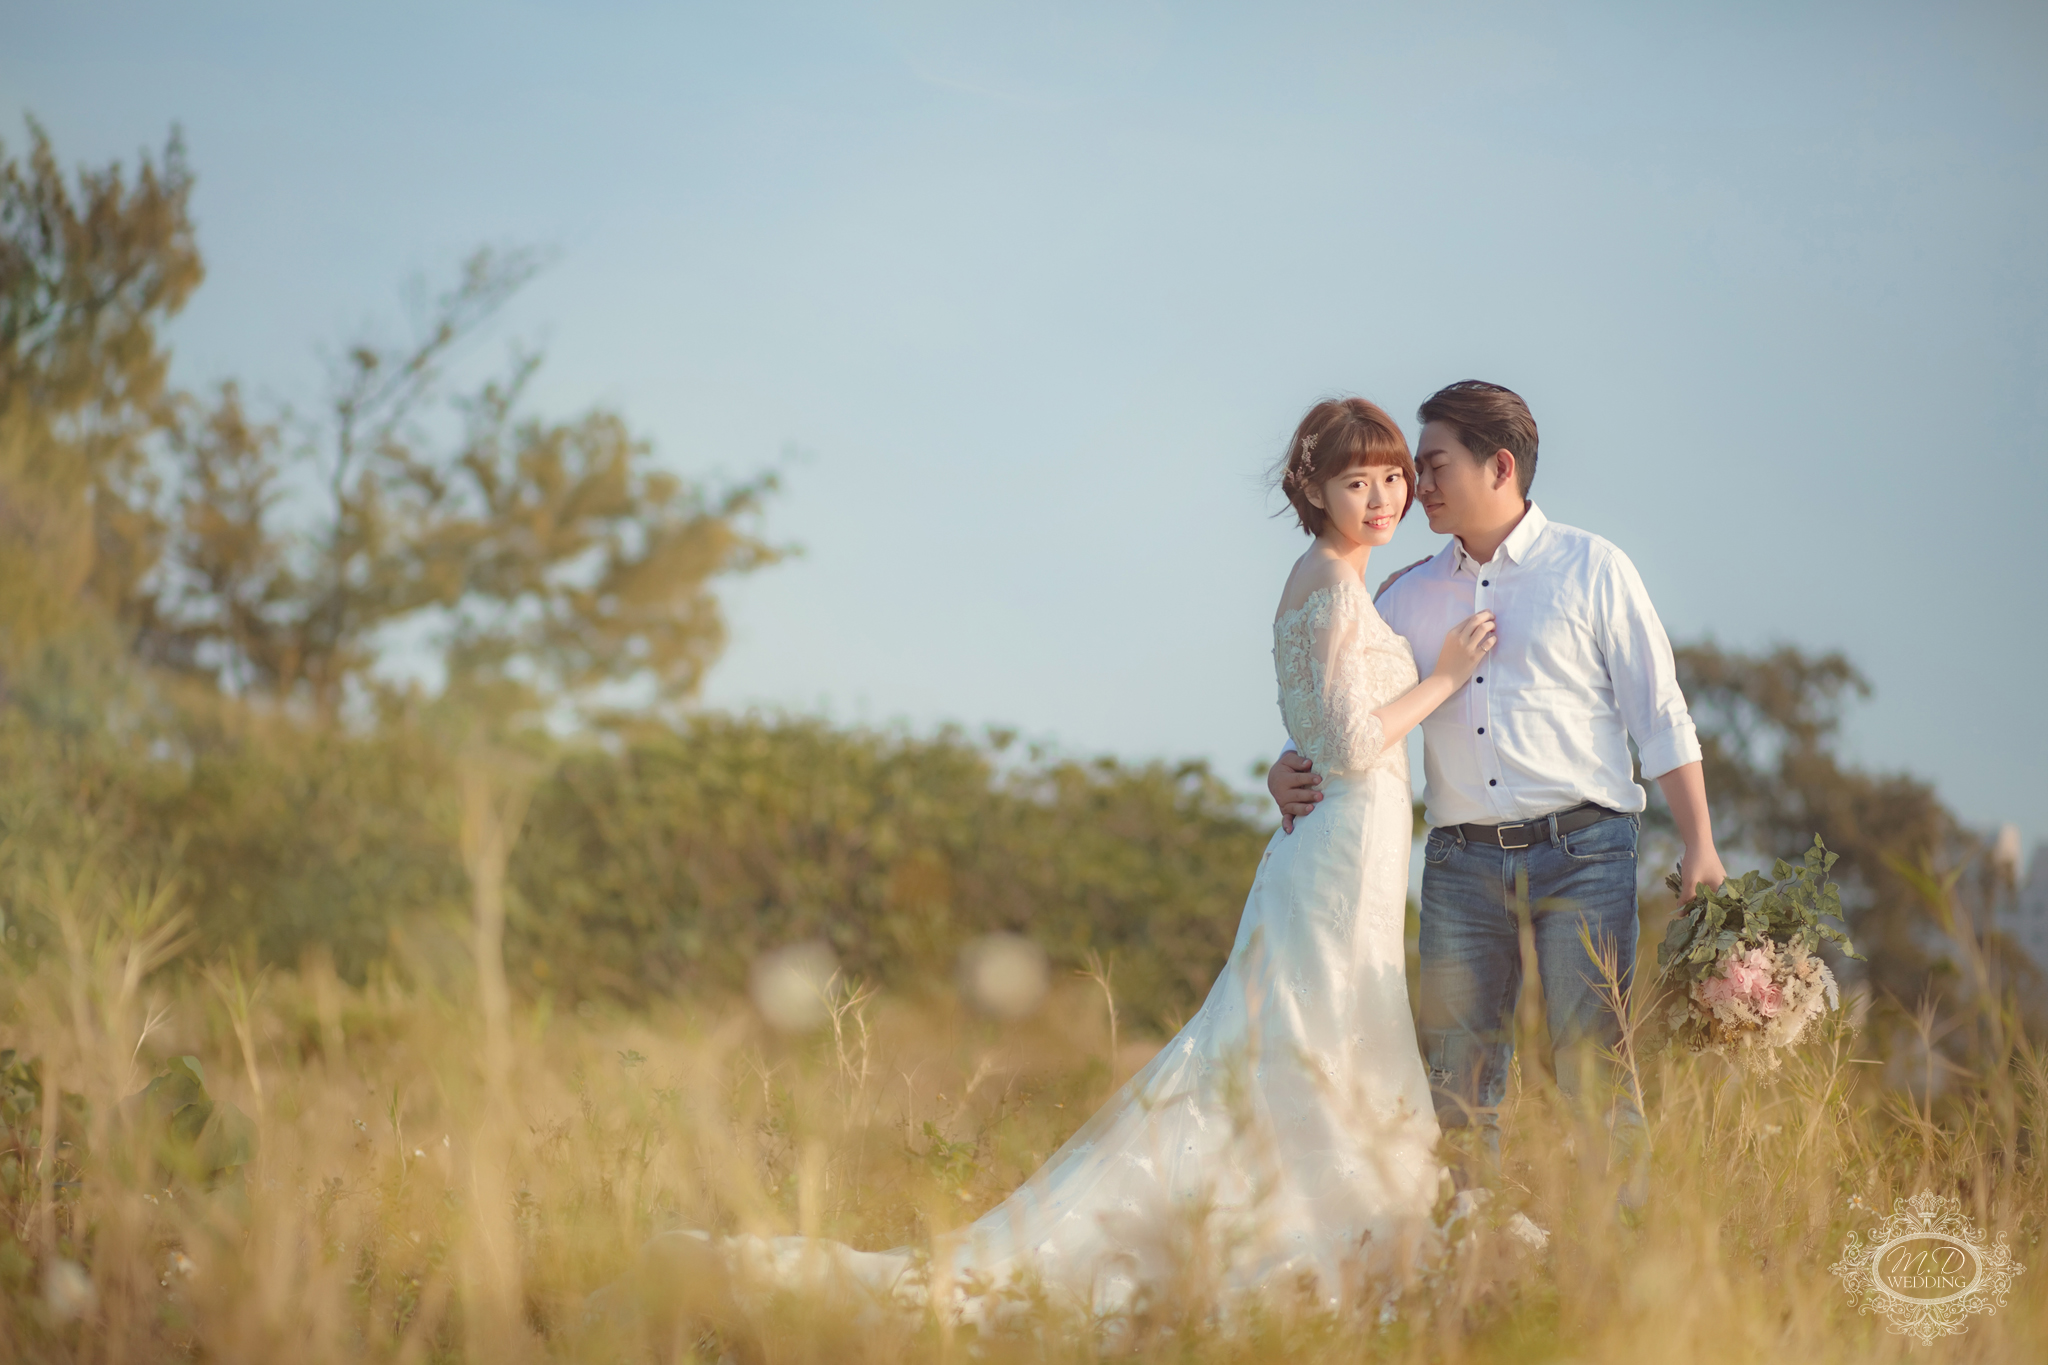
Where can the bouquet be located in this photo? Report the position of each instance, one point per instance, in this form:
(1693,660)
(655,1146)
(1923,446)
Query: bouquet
(1745,961)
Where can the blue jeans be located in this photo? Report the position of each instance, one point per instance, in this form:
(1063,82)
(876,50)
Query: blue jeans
(1472,975)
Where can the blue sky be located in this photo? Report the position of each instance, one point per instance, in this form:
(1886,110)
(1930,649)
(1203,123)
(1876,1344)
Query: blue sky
(1036,291)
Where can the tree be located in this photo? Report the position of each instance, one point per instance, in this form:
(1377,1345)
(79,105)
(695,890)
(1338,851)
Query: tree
(87,279)
(553,560)
(557,561)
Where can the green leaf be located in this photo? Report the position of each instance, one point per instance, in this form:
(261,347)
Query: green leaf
(192,1132)
(227,1141)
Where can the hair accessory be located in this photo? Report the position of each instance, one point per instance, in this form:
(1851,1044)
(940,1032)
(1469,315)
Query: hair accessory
(1300,471)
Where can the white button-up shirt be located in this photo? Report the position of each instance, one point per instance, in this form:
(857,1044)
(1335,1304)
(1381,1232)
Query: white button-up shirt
(1580,663)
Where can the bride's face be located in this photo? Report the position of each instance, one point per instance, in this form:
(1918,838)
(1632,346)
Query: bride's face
(1364,503)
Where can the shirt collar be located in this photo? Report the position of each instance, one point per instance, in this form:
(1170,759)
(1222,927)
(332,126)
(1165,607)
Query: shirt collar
(1523,538)
(1517,546)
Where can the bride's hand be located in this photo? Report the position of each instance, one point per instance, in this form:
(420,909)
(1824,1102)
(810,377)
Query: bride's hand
(1465,646)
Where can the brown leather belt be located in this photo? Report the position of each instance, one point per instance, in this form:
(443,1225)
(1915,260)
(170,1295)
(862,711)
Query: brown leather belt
(1522,833)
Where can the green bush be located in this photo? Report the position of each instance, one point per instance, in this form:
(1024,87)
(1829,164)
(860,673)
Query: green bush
(668,867)
(656,869)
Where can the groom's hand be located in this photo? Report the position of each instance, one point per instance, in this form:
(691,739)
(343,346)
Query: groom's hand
(1704,866)
(1293,784)
(1685,791)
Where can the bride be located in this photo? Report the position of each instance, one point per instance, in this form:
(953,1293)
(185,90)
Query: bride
(1285,1136)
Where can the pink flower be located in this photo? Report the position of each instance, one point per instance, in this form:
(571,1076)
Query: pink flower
(1745,980)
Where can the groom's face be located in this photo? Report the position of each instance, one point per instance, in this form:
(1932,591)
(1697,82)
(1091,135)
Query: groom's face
(1454,486)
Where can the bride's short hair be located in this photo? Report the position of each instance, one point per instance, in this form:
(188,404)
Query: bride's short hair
(1339,434)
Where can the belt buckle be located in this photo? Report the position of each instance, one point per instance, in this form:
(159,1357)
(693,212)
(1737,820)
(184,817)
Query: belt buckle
(1502,833)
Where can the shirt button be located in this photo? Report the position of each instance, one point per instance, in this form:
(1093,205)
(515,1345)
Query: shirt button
(1479,679)
(1491,783)
(1482,729)
(1486,582)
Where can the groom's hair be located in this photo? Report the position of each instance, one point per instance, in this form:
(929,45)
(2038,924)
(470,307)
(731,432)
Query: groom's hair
(1487,418)
(1337,434)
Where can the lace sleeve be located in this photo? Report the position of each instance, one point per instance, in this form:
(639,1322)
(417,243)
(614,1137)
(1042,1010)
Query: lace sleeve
(1352,737)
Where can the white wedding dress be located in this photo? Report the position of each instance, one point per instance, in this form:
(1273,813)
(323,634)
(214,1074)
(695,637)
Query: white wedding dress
(1285,1135)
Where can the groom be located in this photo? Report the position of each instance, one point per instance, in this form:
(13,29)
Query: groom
(1530,793)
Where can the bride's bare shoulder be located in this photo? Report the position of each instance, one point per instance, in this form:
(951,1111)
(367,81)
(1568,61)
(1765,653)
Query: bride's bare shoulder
(1312,574)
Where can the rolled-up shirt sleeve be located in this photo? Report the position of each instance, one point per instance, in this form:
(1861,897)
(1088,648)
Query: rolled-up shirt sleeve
(1640,665)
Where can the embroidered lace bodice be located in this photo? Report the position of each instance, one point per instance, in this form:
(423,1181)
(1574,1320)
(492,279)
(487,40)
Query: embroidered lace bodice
(1337,663)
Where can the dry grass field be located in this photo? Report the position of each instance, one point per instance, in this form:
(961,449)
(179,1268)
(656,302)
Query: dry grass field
(431,1172)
